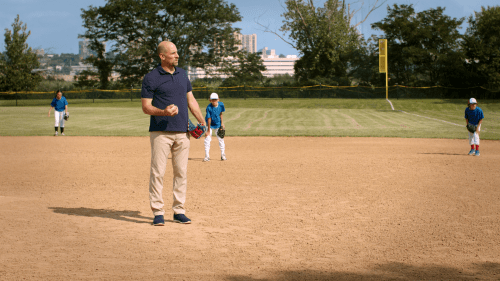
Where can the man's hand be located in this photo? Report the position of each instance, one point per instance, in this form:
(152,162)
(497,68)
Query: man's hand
(171,110)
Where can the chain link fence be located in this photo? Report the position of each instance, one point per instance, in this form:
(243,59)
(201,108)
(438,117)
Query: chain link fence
(244,92)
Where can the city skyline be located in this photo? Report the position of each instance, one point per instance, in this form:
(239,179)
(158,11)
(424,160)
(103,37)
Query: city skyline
(248,42)
(56,24)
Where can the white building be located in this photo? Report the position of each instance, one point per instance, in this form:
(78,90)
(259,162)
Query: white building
(273,63)
(76,69)
(276,65)
(197,72)
(248,42)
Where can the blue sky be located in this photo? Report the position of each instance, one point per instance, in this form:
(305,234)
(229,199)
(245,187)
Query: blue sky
(55,24)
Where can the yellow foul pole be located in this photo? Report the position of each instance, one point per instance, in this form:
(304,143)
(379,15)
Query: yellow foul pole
(383,67)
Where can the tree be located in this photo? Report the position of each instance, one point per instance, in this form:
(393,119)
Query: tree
(364,64)
(324,36)
(482,48)
(421,46)
(201,29)
(245,68)
(18,61)
(87,79)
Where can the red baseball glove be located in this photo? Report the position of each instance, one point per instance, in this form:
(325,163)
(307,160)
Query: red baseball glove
(196,131)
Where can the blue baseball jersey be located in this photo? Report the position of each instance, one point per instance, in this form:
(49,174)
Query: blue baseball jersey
(59,105)
(474,115)
(166,89)
(214,113)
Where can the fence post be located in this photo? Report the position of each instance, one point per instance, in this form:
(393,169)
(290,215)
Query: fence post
(93,94)
(244,92)
(16,98)
(131,88)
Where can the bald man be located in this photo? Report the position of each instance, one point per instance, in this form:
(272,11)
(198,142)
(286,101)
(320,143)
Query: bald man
(166,95)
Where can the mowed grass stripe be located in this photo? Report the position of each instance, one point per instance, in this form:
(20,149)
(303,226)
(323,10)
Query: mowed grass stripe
(103,121)
(444,115)
(421,116)
(83,121)
(324,122)
(371,119)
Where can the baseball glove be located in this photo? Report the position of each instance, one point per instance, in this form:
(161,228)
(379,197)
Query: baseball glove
(471,128)
(196,131)
(221,133)
(66,116)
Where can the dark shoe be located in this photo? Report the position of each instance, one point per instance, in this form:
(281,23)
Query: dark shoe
(181,218)
(159,221)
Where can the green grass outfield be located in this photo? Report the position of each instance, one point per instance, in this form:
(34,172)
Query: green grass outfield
(430,118)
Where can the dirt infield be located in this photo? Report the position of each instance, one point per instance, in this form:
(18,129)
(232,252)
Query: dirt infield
(77,208)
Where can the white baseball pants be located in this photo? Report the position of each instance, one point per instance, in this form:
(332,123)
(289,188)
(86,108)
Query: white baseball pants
(59,115)
(208,139)
(474,137)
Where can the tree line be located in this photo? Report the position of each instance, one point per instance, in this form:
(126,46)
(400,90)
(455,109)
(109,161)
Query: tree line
(425,48)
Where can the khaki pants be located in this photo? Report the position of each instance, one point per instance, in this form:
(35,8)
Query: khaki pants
(162,144)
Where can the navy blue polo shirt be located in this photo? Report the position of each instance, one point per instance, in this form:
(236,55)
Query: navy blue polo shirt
(166,89)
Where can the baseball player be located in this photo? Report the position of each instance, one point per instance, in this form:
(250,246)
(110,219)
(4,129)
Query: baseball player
(60,104)
(214,121)
(474,115)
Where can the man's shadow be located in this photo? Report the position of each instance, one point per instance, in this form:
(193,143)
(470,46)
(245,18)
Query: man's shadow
(129,216)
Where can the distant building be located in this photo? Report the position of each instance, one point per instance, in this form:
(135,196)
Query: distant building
(84,49)
(40,52)
(76,69)
(248,42)
(276,65)
(273,63)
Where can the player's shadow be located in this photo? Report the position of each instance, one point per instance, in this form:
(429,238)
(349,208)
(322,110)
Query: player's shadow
(442,153)
(126,215)
(195,159)
(190,159)
(388,271)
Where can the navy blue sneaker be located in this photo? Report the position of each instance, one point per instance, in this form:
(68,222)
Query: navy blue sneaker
(181,218)
(159,221)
